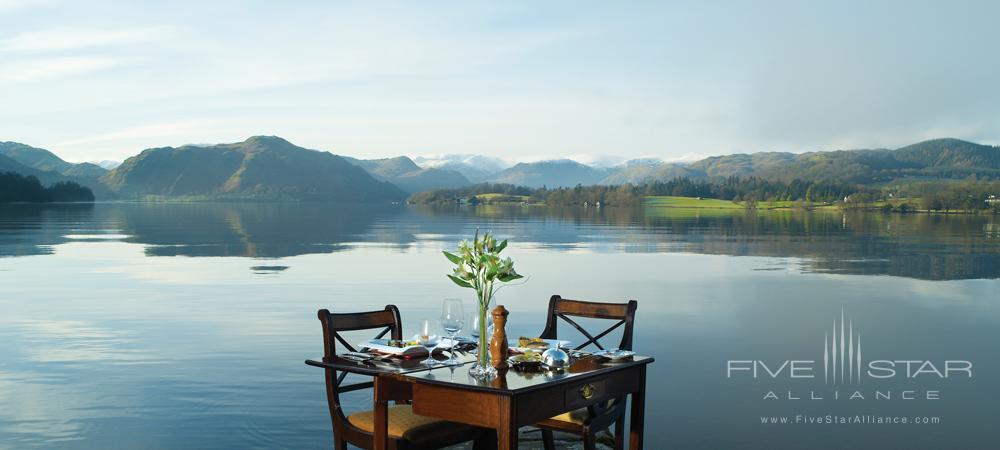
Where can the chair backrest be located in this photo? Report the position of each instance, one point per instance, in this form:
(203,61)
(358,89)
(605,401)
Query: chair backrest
(333,324)
(562,308)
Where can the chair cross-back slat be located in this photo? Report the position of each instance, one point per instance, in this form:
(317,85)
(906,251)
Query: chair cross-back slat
(350,347)
(590,339)
(560,308)
(346,345)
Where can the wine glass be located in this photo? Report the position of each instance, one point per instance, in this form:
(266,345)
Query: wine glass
(426,334)
(452,319)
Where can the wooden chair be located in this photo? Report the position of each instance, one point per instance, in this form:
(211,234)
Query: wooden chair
(407,430)
(586,422)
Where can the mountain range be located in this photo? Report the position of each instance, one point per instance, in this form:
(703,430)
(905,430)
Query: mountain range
(49,168)
(934,159)
(269,167)
(476,168)
(554,173)
(45,160)
(408,176)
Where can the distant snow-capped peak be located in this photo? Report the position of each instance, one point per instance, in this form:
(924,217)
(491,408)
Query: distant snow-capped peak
(483,162)
(107,164)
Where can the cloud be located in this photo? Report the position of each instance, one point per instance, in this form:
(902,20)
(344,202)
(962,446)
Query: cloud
(70,39)
(160,130)
(43,68)
(502,79)
(10,5)
(28,68)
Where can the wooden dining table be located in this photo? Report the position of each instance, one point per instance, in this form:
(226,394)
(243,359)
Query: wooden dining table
(505,403)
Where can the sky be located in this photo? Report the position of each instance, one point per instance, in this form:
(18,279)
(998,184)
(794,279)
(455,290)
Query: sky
(522,80)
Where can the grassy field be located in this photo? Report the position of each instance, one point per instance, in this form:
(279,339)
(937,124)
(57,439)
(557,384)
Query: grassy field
(502,198)
(713,203)
(688,202)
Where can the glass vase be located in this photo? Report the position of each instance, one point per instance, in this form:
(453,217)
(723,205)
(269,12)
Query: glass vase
(483,367)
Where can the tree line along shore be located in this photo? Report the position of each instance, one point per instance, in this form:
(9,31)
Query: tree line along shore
(947,196)
(15,187)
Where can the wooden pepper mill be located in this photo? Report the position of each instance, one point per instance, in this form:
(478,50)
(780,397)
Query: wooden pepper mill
(498,344)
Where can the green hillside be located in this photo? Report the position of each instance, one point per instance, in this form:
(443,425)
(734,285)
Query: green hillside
(85,170)
(41,159)
(640,173)
(262,167)
(951,157)
(8,164)
(935,159)
(556,173)
(386,167)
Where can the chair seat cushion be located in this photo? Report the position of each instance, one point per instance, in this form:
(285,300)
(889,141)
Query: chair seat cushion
(577,416)
(405,424)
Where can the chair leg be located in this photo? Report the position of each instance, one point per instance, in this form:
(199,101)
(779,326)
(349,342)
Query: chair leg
(620,434)
(485,441)
(339,444)
(589,440)
(547,440)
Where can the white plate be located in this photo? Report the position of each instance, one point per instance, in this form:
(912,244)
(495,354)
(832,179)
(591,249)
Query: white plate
(382,346)
(615,355)
(552,344)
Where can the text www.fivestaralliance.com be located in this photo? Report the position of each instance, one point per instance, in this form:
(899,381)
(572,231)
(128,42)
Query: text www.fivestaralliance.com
(830,419)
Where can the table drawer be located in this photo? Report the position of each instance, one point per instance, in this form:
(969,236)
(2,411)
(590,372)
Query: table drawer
(583,394)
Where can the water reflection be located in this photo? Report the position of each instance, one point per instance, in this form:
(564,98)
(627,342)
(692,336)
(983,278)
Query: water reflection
(109,343)
(33,229)
(250,230)
(934,247)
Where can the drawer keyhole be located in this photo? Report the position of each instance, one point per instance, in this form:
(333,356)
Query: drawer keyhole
(587,391)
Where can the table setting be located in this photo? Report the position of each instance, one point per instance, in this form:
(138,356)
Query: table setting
(489,379)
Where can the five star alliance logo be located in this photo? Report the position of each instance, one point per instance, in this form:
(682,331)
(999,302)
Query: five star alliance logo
(837,359)
(842,365)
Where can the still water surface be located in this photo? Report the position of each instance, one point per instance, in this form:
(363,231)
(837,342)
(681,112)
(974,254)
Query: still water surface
(185,325)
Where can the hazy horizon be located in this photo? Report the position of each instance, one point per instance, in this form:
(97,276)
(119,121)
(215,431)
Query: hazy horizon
(427,160)
(105,80)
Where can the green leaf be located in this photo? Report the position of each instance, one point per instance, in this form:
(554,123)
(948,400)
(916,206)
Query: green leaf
(453,257)
(509,277)
(503,245)
(459,281)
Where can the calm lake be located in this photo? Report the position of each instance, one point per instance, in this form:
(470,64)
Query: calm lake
(186,325)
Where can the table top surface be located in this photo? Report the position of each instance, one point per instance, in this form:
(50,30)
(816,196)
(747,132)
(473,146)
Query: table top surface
(515,381)
(508,381)
(392,365)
